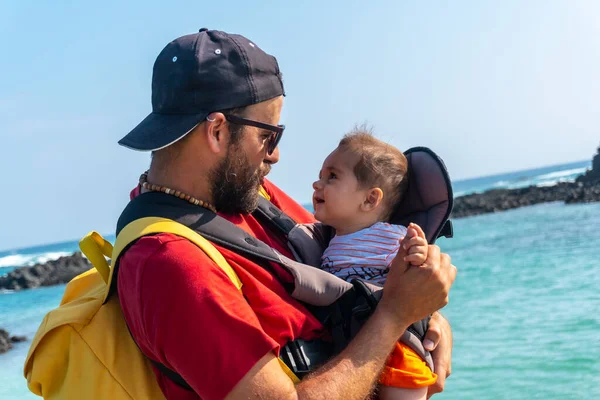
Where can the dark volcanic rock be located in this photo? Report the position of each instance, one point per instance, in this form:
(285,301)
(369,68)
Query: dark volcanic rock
(592,175)
(6,340)
(18,339)
(585,189)
(505,199)
(5,343)
(51,273)
(584,194)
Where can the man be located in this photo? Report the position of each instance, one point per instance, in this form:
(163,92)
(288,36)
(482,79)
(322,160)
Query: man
(213,134)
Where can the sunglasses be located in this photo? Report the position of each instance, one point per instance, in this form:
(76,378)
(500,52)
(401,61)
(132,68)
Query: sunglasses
(276,130)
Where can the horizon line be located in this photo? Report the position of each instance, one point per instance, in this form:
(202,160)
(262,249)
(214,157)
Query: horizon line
(20,248)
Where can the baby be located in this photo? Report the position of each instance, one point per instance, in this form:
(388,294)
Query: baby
(360,184)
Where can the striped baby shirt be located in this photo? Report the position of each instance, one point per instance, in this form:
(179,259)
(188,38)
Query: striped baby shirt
(365,254)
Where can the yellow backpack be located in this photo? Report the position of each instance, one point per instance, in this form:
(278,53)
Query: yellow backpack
(83,348)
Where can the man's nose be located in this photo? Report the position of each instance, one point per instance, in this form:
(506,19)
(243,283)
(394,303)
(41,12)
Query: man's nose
(272,158)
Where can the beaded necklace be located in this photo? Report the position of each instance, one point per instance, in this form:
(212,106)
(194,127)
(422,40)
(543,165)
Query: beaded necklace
(157,188)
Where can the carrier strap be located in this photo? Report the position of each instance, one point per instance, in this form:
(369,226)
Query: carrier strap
(211,226)
(316,286)
(269,212)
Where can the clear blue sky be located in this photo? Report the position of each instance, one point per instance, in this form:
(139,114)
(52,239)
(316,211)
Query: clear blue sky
(492,86)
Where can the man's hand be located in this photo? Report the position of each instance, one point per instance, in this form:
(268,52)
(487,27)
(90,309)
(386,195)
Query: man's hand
(412,293)
(438,340)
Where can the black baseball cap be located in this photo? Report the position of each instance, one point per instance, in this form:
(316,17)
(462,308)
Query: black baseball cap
(197,74)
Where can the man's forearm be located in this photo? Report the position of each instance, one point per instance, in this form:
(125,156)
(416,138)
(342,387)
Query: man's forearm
(353,373)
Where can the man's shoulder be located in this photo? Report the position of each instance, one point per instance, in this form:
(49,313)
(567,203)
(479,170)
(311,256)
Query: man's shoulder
(144,266)
(161,240)
(161,249)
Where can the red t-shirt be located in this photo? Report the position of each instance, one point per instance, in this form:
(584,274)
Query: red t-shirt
(184,312)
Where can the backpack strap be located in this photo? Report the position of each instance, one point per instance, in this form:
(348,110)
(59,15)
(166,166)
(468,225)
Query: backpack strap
(264,193)
(152,225)
(96,248)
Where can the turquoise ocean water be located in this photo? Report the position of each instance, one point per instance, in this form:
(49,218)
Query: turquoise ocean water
(525,308)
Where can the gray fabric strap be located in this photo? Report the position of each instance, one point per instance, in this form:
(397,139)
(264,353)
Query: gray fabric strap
(274,215)
(311,285)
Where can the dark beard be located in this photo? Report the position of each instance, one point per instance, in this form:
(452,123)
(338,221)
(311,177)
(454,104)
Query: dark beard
(235,183)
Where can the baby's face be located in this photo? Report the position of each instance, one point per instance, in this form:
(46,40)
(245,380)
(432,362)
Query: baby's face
(337,194)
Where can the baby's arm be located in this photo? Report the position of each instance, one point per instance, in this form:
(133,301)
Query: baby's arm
(394,393)
(416,244)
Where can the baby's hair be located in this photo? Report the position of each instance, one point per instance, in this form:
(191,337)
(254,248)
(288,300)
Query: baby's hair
(379,165)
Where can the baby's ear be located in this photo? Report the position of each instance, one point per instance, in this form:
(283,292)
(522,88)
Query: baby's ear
(373,199)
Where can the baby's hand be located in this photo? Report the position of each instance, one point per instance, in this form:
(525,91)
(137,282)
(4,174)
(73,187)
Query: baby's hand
(416,245)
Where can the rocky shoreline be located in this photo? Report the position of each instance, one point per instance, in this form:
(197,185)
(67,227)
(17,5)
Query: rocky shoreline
(50,273)
(585,189)
(6,341)
(496,200)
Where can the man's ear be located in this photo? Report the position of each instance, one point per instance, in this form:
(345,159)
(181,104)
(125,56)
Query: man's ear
(217,132)
(373,199)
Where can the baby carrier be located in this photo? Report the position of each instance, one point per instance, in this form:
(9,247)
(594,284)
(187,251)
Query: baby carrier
(343,307)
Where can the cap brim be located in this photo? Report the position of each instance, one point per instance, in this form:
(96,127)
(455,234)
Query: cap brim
(158,131)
